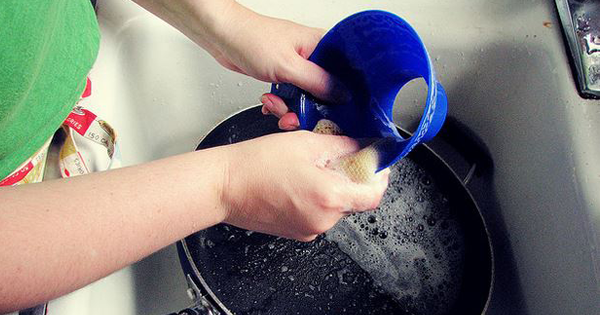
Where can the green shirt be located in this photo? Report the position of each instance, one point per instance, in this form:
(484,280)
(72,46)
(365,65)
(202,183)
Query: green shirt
(47,48)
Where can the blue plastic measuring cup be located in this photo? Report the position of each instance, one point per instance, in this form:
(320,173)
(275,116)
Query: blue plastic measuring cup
(374,54)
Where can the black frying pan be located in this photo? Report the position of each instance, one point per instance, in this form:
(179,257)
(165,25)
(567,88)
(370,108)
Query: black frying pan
(425,250)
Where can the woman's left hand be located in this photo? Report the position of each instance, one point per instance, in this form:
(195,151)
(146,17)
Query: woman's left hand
(273,50)
(268,49)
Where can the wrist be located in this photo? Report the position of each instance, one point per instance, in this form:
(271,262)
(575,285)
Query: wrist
(233,188)
(223,188)
(220,180)
(203,192)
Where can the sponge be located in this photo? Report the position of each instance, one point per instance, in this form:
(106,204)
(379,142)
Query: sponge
(361,166)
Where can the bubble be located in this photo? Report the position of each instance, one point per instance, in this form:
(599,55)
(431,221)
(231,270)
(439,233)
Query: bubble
(372,219)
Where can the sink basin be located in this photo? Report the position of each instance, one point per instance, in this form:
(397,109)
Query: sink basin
(508,80)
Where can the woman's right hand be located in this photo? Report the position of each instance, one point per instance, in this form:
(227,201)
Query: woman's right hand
(280,184)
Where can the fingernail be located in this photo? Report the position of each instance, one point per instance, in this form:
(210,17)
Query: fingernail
(296,123)
(267,105)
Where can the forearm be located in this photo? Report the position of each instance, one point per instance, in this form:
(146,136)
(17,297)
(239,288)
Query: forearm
(60,235)
(200,20)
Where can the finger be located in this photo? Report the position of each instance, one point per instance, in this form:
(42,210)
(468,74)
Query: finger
(273,104)
(314,79)
(289,121)
(264,110)
(353,197)
(362,197)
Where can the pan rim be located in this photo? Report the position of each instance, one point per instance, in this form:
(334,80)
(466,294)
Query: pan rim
(238,111)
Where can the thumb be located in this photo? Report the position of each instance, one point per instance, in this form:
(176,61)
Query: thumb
(310,77)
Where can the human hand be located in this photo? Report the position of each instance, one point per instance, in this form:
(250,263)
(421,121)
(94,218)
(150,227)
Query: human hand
(269,49)
(273,50)
(280,184)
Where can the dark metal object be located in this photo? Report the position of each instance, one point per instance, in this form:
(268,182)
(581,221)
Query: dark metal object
(250,273)
(581,25)
(197,310)
(469,146)
(36,310)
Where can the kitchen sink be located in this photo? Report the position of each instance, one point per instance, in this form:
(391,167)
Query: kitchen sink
(506,70)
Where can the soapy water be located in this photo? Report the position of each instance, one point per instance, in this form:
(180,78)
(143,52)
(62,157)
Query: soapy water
(406,257)
(410,246)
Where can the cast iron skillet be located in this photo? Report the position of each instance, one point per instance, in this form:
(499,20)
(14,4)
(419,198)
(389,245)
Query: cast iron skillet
(425,250)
